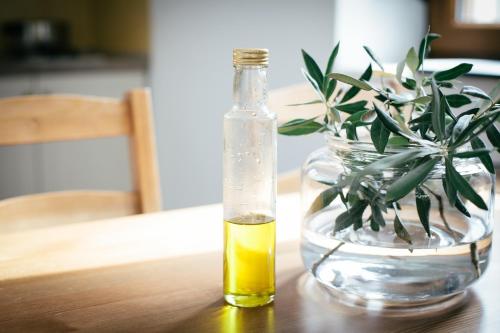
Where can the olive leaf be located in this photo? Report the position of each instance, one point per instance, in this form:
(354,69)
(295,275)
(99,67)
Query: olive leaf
(449,188)
(461,124)
(374,58)
(313,69)
(313,83)
(474,92)
(479,147)
(377,215)
(323,199)
(493,135)
(412,60)
(400,229)
(438,112)
(461,207)
(425,46)
(350,80)
(350,216)
(453,73)
(409,181)
(494,97)
(379,135)
(331,85)
(457,100)
(316,101)
(477,152)
(331,60)
(463,186)
(353,91)
(409,84)
(352,107)
(400,69)
(300,127)
(423,203)
(398,140)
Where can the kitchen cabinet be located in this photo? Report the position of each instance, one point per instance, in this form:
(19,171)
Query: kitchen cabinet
(95,164)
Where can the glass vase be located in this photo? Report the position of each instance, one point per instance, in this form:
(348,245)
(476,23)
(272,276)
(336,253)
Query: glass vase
(379,269)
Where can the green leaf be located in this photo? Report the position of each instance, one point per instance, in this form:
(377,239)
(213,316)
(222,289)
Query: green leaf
(453,73)
(313,83)
(424,118)
(398,140)
(322,200)
(316,101)
(350,80)
(422,100)
(353,91)
(472,153)
(313,68)
(399,70)
(396,160)
(449,188)
(352,107)
(425,46)
(438,112)
(461,207)
(457,100)
(379,135)
(412,60)
(423,203)
(494,95)
(357,117)
(351,132)
(388,121)
(374,58)
(472,111)
(351,216)
(463,186)
(401,230)
(461,124)
(330,88)
(331,60)
(474,92)
(300,127)
(377,216)
(478,145)
(409,84)
(482,122)
(493,135)
(409,181)
(373,225)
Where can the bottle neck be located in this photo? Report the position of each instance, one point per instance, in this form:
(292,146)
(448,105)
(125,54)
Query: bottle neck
(250,86)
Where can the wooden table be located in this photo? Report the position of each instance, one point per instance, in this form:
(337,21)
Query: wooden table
(163,272)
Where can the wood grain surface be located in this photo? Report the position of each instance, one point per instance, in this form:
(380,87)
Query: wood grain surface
(119,276)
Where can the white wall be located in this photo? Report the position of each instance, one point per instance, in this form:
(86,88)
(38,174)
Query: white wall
(192,81)
(388,27)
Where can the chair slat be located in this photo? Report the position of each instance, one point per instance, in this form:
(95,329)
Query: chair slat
(37,119)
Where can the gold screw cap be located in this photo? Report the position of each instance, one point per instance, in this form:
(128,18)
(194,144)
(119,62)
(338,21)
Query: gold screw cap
(250,56)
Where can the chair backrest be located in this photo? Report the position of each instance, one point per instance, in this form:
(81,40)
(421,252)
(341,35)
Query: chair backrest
(49,118)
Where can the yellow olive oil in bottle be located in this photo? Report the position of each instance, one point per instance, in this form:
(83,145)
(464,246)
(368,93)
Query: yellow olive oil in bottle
(249,185)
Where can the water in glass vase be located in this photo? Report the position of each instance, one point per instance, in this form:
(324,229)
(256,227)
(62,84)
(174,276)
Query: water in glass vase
(377,269)
(249,245)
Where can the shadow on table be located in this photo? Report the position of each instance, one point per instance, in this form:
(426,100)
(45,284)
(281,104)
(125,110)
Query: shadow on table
(298,308)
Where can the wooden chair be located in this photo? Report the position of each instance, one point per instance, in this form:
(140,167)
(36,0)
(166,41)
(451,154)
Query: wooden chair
(39,119)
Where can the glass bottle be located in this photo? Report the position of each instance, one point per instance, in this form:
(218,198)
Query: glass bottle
(249,185)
